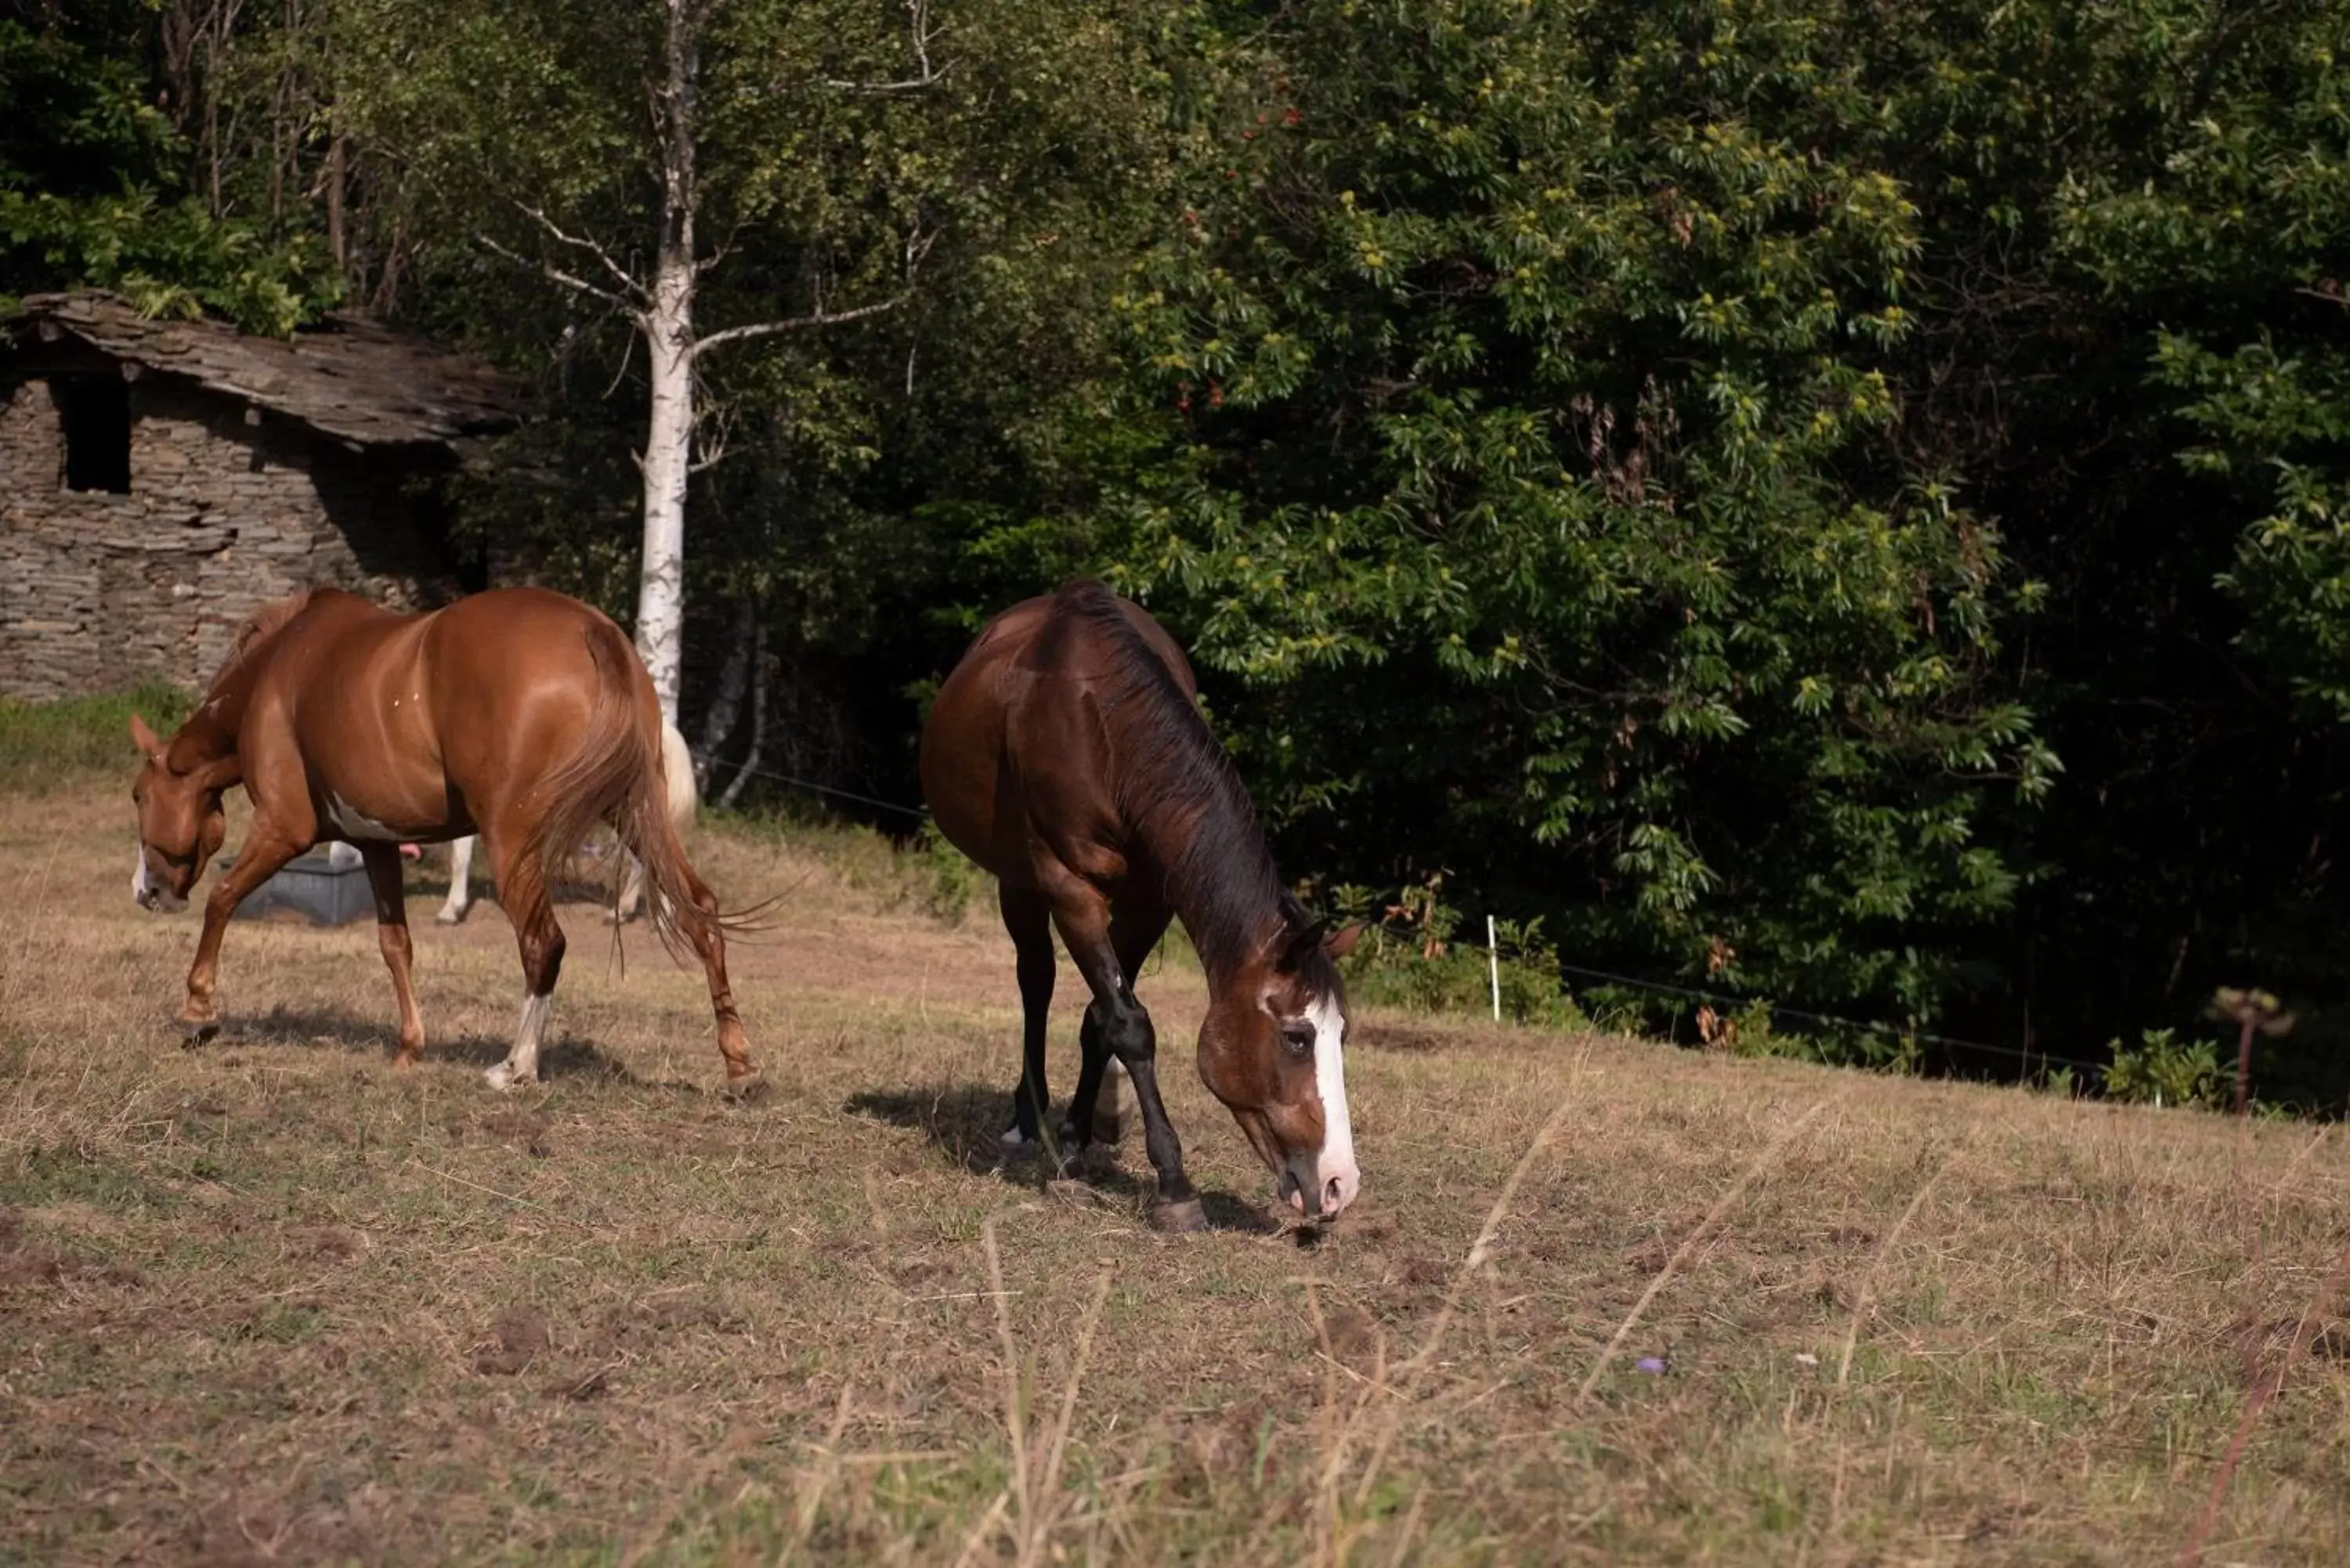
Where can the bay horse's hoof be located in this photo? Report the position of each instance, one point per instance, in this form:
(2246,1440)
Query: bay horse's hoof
(1184,1219)
(747,1090)
(1014,1138)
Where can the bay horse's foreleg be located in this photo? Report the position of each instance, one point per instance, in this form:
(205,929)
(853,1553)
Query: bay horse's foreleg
(1082,914)
(1093,1113)
(521,890)
(460,883)
(261,858)
(392,936)
(1028,919)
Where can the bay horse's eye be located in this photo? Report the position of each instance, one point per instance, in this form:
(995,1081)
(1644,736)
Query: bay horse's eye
(1297,1038)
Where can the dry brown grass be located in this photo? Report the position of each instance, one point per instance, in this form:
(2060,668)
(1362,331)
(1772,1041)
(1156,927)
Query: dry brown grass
(269,1302)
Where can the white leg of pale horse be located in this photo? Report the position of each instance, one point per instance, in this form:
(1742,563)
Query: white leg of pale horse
(632,890)
(683,800)
(1116,1092)
(460,877)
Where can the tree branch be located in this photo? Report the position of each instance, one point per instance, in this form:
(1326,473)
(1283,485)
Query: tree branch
(625,278)
(920,33)
(568,280)
(797,324)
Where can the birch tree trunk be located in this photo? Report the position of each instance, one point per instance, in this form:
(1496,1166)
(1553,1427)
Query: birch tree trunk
(669,344)
(668,453)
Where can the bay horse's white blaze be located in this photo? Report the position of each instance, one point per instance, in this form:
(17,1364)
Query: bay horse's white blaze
(521,1065)
(1333,1172)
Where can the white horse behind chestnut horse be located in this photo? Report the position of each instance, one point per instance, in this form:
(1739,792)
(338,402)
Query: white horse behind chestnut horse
(684,801)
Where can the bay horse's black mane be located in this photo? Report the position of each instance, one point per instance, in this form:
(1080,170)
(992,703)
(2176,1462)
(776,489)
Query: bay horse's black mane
(1179,792)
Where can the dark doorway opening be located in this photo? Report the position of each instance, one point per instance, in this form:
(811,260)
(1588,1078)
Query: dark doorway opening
(95,411)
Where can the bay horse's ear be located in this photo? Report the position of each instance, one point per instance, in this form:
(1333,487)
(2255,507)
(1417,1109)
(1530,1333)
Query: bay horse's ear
(1338,944)
(1306,934)
(144,738)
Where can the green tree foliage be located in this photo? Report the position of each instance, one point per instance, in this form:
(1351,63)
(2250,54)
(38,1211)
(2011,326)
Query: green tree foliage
(94,191)
(1534,470)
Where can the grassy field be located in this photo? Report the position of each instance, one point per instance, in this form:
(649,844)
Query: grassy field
(1603,1302)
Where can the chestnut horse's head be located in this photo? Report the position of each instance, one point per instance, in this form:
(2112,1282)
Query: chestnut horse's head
(1273,1049)
(181,823)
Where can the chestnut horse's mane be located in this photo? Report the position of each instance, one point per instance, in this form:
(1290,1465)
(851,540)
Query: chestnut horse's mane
(258,627)
(1176,785)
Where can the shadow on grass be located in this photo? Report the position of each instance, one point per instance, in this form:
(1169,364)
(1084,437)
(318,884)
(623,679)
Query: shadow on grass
(568,1057)
(967,1120)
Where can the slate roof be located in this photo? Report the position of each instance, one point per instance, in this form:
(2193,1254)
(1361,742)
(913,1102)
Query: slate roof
(350,377)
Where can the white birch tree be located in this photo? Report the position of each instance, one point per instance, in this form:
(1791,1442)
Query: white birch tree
(520,111)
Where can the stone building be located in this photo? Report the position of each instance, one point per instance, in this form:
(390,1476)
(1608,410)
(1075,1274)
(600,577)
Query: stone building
(160,479)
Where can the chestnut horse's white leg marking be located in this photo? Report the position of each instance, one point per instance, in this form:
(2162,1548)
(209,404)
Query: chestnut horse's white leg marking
(1335,1175)
(460,883)
(521,1065)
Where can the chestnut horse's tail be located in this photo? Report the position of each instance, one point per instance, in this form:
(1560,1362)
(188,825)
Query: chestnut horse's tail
(617,775)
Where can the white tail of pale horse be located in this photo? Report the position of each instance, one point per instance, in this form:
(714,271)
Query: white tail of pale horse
(684,799)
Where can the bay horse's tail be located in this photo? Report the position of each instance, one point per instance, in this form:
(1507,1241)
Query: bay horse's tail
(619,775)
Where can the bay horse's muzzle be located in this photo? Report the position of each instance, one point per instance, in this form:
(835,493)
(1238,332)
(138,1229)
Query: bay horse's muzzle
(1317,1193)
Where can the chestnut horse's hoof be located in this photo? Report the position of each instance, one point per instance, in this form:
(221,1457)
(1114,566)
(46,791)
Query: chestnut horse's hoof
(747,1090)
(446,916)
(1184,1219)
(502,1077)
(195,1031)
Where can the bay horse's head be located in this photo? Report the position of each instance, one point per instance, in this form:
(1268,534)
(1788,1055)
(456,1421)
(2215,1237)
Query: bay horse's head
(180,823)
(1272,1048)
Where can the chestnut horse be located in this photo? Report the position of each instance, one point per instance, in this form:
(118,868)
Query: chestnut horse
(1066,754)
(518,714)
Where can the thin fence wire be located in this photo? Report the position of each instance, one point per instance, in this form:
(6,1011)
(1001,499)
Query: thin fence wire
(1887,1030)
(1664,988)
(917,812)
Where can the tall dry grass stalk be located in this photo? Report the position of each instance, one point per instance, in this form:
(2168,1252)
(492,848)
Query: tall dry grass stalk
(1035,1501)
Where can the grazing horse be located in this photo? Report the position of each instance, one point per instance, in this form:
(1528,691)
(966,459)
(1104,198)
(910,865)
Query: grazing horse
(518,714)
(684,799)
(1066,754)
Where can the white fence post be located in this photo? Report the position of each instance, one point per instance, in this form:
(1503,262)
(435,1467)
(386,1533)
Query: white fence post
(1493,961)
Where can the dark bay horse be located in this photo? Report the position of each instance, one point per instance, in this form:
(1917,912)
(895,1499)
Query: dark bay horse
(518,714)
(1066,755)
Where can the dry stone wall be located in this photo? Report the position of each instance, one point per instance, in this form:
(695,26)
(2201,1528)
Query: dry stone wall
(99,591)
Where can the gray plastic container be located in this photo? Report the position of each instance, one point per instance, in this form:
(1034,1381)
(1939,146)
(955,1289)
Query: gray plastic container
(328,883)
